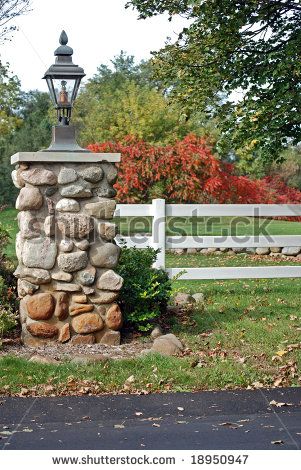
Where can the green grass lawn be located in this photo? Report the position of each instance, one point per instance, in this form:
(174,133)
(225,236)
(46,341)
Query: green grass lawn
(249,333)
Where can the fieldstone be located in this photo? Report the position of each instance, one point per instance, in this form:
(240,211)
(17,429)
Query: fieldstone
(93,174)
(181,298)
(102,311)
(80,299)
(238,249)
(67,205)
(191,251)
(111,172)
(71,262)
(50,191)
(168,345)
(103,209)
(250,250)
(64,333)
(78,309)
(50,206)
(23,309)
(74,225)
(42,330)
(29,224)
(82,245)
(223,249)
(62,276)
(178,251)
(62,306)
(291,250)
(42,359)
(39,253)
(39,177)
(156,332)
(36,276)
(87,276)
(262,250)
(66,246)
(29,199)
(198,297)
(107,230)
(66,287)
(276,255)
(83,339)
(40,306)
(111,338)
(17,179)
(114,317)
(104,256)
(67,175)
(26,288)
(19,246)
(275,249)
(104,297)
(88,290)
(80,189)
(87,323)
(110,281)
(104,190)
(49,226)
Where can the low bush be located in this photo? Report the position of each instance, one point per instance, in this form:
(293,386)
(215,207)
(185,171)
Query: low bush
(8,297)
(146,290)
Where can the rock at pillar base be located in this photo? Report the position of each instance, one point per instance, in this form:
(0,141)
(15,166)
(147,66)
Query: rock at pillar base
(66,250)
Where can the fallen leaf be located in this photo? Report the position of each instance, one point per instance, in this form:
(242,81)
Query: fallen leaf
(231,425)
(281,353)
(180,408)
(280,404)
(119,426)
(279,443)
(278,381)
(257,384)
(138,413)
(155,425)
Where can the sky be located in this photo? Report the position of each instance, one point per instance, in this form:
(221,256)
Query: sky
(97,30)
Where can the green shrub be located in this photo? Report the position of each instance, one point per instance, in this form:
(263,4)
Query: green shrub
(146,290)
(8,297)
(8,306)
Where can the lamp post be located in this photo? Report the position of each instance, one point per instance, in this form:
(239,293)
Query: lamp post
(63,79)
(65,247)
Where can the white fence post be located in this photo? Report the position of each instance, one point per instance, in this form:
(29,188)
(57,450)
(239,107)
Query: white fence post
(158,231)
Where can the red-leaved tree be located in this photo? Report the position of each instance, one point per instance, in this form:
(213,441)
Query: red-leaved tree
(187,172)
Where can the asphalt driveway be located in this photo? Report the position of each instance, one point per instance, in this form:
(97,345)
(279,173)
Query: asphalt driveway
(207,420)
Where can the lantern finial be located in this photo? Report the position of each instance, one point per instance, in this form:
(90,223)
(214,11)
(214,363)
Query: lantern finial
(63,38)
(63,49)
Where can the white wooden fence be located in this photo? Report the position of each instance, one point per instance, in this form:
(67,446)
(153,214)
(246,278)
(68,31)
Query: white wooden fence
(158,210)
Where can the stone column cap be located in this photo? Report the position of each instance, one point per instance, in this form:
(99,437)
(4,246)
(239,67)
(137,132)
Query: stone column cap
(64,157)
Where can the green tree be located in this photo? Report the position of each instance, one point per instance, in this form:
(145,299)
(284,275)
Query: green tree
(124,99)
(33,133)
(230,46)
(10,99)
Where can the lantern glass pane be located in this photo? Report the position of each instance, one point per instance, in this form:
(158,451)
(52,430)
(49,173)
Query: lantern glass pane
(51,90)
(63,89)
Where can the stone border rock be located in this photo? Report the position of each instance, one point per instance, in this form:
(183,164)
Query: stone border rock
(283,252)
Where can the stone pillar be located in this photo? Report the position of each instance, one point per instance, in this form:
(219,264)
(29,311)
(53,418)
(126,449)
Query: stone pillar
(66,249)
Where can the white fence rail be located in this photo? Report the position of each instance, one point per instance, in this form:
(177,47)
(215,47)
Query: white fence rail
(158,210)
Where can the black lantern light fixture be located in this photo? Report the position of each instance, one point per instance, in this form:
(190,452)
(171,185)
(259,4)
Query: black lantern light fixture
(63,79)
